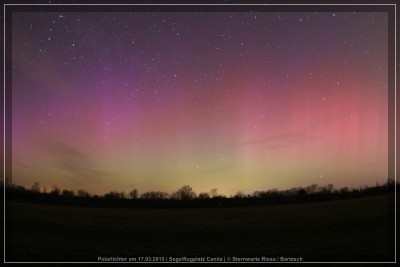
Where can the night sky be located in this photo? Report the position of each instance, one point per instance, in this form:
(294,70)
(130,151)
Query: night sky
(244,101)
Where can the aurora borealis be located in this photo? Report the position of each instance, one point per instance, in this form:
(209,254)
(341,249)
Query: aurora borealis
(230,100)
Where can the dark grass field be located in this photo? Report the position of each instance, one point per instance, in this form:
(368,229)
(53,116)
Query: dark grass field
(343,230)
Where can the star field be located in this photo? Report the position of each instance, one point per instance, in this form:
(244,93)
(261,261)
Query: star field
(229,100)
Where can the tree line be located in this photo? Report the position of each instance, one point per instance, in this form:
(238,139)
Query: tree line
(187,197)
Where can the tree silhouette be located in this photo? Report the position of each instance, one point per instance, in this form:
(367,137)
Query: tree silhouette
(83,193)
(35,187)
(55,190)
(214,192)
(344,190)
(112,194)
(312,189)
(115,195)
(240,194)
(329,188)
(67,193)
(302,192)
(312,193)
(184,193)
(204,195)
(154,195)
(134,194)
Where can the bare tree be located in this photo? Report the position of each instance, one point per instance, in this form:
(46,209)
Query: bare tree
(35,187)
(185,192)
(55,190)
(329,188)
(214,192)
(134,194)
(312,189)
(256,194)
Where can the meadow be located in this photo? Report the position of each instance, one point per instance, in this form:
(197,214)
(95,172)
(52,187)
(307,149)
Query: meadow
(359,229)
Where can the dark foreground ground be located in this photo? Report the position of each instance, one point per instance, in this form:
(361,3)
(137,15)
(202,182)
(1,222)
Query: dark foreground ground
(343,230)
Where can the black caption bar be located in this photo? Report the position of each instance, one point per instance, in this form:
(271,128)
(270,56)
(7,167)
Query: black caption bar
(192,259)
